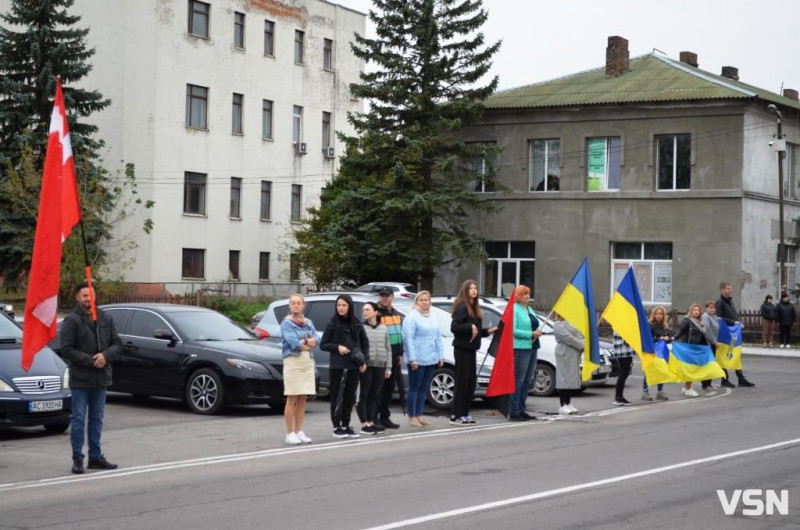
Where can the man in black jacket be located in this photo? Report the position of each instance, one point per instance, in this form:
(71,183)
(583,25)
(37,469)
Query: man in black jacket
(89,348)
(726,310)
(392,320)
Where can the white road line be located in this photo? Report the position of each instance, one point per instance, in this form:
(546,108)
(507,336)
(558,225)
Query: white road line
(578,487)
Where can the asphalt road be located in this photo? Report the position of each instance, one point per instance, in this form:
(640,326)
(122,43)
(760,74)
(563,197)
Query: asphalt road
(653,465)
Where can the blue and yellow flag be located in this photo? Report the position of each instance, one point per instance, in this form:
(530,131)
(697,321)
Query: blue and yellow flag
(576,306)
(693,362)
(729,346)
(626,315)
(656,367)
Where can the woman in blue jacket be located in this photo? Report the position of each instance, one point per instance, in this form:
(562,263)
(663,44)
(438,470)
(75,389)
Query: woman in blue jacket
(299,337)
(526,348)
(423,352)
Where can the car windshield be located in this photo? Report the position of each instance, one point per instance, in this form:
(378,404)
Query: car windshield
(208,325)
(9,332)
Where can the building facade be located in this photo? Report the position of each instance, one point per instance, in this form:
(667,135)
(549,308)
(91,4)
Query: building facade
(650,162)
(229,110)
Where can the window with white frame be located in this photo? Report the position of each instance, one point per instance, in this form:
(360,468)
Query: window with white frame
(652,268)
(603,163)
(790,262)
(326,129)
(194,193)
(269,38)
(510,263)
(198,18)
(482,168)
(263,266)
(266,119)
(674,153)
(327,54)
(236,198)
(266,200)
(297,124)
(297,195)
(299,46)
(193,263)
(543,160)
(238,30)
(237,114)
(791,172)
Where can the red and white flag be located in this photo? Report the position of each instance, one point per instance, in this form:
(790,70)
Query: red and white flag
(59,211)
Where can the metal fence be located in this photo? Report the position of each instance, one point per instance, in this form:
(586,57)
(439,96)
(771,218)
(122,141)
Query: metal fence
(195,293)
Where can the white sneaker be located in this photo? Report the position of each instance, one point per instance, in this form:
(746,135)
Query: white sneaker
(293,439)
(683,390)
(572,408)
(303,438)
(782,346)
(691,392)
(565,410)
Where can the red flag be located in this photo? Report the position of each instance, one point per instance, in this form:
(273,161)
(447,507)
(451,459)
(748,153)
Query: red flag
(501,381)
(59,211)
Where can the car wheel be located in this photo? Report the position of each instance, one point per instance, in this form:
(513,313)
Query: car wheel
(440,391)
(204,392)
(544,380)
(56,428)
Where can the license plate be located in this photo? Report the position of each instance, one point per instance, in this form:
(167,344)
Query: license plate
(45,406)
(606,368)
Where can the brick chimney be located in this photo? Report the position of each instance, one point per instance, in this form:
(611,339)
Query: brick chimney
(791,94)
(731,72)
(617,57)
(689,58)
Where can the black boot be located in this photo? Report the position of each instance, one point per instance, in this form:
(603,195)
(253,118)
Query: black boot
(77,466)
(101,463)
(727,384)
(745,383)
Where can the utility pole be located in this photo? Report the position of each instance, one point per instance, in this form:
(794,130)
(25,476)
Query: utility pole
(780,147)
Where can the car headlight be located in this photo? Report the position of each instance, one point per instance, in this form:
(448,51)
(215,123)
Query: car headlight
(66,378)
(247,365)
(8,308)
(5,387)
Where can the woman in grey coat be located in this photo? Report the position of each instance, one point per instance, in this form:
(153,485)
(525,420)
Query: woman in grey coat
(569,344)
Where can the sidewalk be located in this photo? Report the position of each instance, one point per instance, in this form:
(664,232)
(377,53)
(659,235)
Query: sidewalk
(771,352)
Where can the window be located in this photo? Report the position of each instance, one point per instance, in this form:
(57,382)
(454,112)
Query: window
(233,265)
(604,163)
(652,268)
(238,30)
(481,168)
(674,161)
(198,18)
(299,45)
(326,129)
(294,268)
(297,191)
(266,199)
(237,114)
(145,324)
(196,107)
(236,198)
(263,265)
(194,193)
(266,120)
(791,173)
(193,263)
(297,124)
(327,54)
(790,261)
(510,263)
(544,169)
(269,38)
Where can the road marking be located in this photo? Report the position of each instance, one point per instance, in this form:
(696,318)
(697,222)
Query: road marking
(578,487)
(329,446)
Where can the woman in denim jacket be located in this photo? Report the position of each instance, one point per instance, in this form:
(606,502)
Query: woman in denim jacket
(299,337)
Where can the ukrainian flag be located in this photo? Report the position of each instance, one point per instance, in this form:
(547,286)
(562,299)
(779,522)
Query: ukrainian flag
(626,315)
(576,306)
(729,346)
(656,367)
(693,362)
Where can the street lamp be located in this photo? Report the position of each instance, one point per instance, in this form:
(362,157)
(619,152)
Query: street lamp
(780,147)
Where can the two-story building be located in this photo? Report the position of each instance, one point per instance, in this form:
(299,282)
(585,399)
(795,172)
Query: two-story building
(650,162)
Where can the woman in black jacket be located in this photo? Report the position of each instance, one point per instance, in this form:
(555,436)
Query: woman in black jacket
(786,315)
(346,341)
(467,333)
(769,313)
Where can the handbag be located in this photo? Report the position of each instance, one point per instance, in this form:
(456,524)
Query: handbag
(358,356)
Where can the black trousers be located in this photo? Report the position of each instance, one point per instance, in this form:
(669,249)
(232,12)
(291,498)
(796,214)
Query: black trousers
(466,379)
(371,382)
(565,396)
(785,332)
(625,364)
(385,397)
(344,384)
(739,375)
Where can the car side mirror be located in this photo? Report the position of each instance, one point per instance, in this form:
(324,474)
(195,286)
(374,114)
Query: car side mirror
(164,334)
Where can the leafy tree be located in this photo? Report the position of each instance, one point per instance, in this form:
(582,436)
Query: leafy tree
(398,208)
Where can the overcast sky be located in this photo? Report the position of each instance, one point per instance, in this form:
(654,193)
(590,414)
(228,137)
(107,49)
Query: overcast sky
(544,40)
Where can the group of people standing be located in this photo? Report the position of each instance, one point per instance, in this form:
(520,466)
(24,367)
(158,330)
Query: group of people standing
(783,315)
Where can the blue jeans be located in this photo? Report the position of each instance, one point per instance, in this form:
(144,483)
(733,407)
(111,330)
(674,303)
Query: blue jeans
(418,382)
(645,387)
(524,368)
(93,399)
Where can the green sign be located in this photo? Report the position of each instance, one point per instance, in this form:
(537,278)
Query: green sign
(597,164)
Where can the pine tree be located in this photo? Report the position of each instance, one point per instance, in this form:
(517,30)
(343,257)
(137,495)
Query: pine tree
(398,208)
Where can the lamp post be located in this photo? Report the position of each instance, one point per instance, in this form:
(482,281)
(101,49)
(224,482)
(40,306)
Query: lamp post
(780,148)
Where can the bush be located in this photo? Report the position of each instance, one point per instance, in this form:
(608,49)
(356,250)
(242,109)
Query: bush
(240,311)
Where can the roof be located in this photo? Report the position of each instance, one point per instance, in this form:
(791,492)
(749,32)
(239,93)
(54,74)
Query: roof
(650,78)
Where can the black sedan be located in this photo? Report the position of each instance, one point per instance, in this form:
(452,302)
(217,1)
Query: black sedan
(193,354)
(40,396)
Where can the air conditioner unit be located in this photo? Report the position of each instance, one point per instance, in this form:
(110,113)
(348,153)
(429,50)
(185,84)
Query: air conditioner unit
(329,152)
(300,148)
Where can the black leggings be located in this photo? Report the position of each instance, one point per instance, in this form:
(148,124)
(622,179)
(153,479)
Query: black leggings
(466,378)
(344,384)
(625,364)
(565,396)
(371,382)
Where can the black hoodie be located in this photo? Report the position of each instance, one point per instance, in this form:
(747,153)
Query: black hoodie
(346,331)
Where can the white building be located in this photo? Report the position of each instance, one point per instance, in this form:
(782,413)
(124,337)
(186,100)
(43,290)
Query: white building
(228,109)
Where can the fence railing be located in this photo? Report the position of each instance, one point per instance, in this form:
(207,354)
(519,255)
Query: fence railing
(195,293)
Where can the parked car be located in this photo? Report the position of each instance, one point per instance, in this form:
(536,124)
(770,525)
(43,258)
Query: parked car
(401,290)
(40,396)
(544,379)
(193,354)
(6,308)
(320,308)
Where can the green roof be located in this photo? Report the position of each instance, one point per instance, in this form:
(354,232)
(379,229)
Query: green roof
(650,78)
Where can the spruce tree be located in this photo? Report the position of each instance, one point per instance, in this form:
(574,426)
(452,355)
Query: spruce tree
(398,208)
